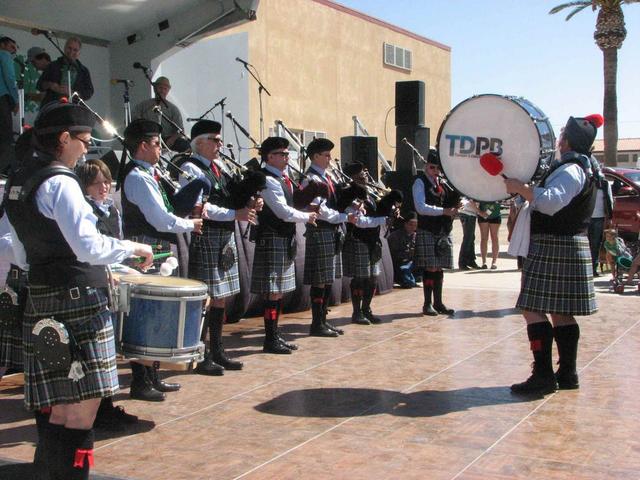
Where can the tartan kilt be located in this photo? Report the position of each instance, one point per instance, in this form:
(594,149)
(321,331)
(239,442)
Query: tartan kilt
(357,261)
(204,262)
(89,320)
(322,265)
(425,252)
(273,271)
(11,354)
(558,276)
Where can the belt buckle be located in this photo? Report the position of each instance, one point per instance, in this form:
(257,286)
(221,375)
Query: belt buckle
(15,274)
(74,293)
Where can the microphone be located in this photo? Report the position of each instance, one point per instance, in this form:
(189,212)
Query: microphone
(115,81)
(157,109)
(37,31)
(229,146)
(245,63)
(404,140)
(140,66)
(229,116)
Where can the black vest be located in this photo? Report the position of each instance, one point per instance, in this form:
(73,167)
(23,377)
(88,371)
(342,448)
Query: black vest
(331,202)
(107,225)
(367,235)
(438,224)
(219,194)
(134,222)
(268,221)
(51,259)
(573,218)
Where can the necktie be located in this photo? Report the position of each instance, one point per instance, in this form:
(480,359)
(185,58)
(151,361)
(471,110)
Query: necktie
(330,184)
(287,182)
(215,170)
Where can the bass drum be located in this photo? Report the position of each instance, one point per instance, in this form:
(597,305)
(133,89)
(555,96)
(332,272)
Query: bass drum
(511,128)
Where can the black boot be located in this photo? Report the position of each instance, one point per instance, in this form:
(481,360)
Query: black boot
(356,302)
(542,379)
(567,337)
(160,384)
(369,292)
(325,310)
(318,328)
(272,341)
(141,386)
(438,279)
(216,350)
(207,366)
(76,453)
(427,289)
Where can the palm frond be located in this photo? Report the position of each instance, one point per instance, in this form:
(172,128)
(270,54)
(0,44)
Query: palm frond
(578,3)
(577,10)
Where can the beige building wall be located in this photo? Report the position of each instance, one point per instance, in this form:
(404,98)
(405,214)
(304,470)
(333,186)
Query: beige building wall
(323,63)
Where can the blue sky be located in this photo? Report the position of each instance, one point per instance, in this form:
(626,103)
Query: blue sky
(514,47)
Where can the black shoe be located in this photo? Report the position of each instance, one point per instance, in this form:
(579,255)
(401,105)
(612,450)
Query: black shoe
(484,266)
(464,267)
(339,331)
(358,318)
(567,380)
(596,274)
(290,346)
(429,310)
(226,362)
(474,265)
(275,346)
(146,392)
(209,367)
(444,310)
(536,384)
(368,314)
(114,419)
(320,330)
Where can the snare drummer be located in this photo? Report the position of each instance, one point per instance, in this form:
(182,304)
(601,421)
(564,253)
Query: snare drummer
(66,257)
(206,252)
(273,272)
(436,204)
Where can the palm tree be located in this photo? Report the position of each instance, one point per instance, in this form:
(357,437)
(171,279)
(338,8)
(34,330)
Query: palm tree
(609,36)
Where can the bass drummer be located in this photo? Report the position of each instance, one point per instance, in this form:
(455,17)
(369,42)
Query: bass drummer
(436,203)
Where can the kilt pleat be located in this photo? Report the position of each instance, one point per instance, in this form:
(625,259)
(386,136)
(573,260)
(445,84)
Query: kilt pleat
(357,261)
(89,320)
(11,353)
(273,271)
(425,252)
(321,263)
(204,262)
(557,276)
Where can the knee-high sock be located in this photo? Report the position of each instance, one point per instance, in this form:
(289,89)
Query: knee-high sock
(541,340)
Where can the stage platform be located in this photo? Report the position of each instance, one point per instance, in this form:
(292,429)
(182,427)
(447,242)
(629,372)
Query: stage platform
(413,398)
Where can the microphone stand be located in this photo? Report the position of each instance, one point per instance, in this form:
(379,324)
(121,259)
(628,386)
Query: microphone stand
(244,131)
(261,88)
(126,104)
(414,152)
(221,104)
(20,84)
(162,115)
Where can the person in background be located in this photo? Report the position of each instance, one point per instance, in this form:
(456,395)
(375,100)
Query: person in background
(145,110)
(8,100)
(402,245)
(64,71)
(37,61)
(468,214)
(489,222)
(602,211)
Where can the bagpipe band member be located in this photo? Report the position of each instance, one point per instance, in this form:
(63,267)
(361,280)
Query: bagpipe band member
(66,258)
(436,203)
(362,252)
(213,255)
(557,277)
(323,259)
(151,213)
(95,180)
(273,272)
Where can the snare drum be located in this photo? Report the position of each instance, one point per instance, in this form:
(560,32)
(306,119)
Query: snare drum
(510,127)
(161,318)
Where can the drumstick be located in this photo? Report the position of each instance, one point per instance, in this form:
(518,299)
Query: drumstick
(492,164)
(156,256)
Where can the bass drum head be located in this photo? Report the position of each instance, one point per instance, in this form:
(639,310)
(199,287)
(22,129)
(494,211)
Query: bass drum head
(503,126)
